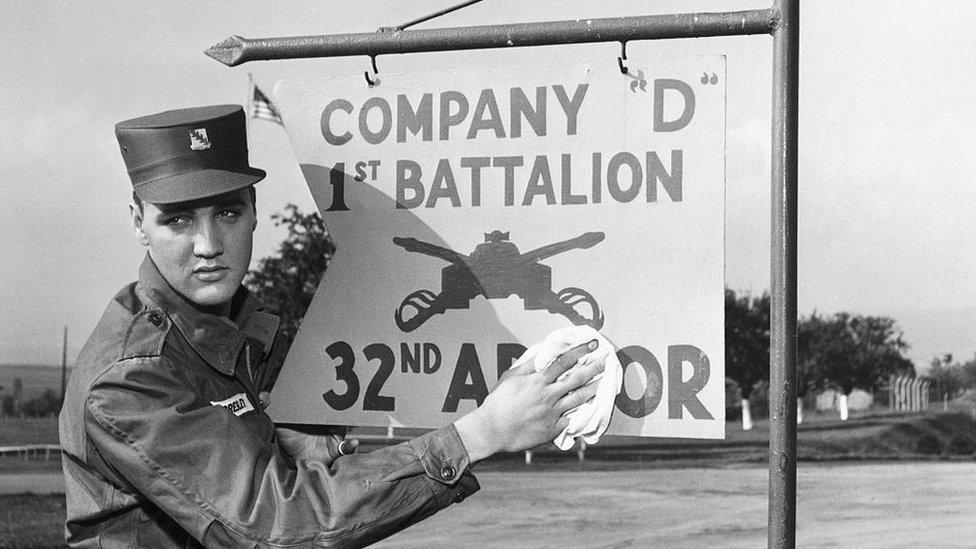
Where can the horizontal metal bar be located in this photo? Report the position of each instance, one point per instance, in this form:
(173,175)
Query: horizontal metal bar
(236,50)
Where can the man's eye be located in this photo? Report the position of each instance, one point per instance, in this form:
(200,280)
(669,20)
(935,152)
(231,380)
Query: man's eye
(178,221)
(230,214)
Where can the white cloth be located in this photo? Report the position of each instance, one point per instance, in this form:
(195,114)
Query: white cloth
(590,419)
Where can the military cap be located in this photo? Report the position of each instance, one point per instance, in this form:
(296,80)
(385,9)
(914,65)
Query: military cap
(187,154)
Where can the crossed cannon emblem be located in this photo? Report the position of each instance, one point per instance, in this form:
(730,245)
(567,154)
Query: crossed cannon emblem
(496,270)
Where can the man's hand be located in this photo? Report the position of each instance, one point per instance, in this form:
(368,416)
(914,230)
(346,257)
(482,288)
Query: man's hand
(528,408)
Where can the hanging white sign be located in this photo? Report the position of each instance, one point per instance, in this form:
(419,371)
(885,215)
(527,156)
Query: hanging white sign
(477,210)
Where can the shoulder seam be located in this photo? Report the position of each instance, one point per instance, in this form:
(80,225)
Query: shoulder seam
(156,351)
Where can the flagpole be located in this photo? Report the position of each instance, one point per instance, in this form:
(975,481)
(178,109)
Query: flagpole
(249,105)
(64,361)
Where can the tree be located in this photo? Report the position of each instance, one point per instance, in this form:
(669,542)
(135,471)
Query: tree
(943,370)
(879,349)
(286,282)
(809,373)
(45,405)
(746,344)
(847,352)
(17,399)
(965,374)
(952,377)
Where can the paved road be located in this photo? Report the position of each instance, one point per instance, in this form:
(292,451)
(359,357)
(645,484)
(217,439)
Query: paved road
(20,483)
(863,505)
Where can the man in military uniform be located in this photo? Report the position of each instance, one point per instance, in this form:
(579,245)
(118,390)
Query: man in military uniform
(165,440)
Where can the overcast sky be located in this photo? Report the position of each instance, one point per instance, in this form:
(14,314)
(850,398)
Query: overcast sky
(887,144)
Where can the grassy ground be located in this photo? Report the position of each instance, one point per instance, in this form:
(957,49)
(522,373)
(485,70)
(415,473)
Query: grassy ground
(32,521)
(822,437)
(17,432)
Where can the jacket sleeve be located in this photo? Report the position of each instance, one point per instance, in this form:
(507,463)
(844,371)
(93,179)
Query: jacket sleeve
(203,467)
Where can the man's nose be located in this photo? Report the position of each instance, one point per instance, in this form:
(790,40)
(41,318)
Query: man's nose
(208,241)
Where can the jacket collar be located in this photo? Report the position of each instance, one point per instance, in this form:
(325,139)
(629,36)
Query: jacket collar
(218,340)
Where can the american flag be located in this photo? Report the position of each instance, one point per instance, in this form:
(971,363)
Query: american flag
(262,107)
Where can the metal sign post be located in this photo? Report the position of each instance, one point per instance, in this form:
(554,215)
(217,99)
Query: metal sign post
(782,321)
(782,22)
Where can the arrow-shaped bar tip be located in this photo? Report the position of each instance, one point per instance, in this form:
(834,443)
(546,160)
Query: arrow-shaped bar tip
(229,52)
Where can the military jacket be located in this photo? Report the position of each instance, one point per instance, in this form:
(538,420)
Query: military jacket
(165,443)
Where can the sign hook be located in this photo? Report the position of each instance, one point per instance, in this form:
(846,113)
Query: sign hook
(622,58)
(371,81)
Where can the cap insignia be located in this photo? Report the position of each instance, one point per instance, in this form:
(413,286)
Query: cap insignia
(199,140)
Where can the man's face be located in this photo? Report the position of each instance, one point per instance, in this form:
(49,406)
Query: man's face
(203,247)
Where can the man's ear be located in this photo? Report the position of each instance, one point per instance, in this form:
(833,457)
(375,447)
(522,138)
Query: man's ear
(135,212)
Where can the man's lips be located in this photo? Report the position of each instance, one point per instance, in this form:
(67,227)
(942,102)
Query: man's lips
(211,273)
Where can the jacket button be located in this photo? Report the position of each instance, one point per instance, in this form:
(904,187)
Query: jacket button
(155,319)
(447,472)
(458,497)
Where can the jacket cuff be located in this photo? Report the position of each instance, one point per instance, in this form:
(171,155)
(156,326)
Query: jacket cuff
(446,462)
